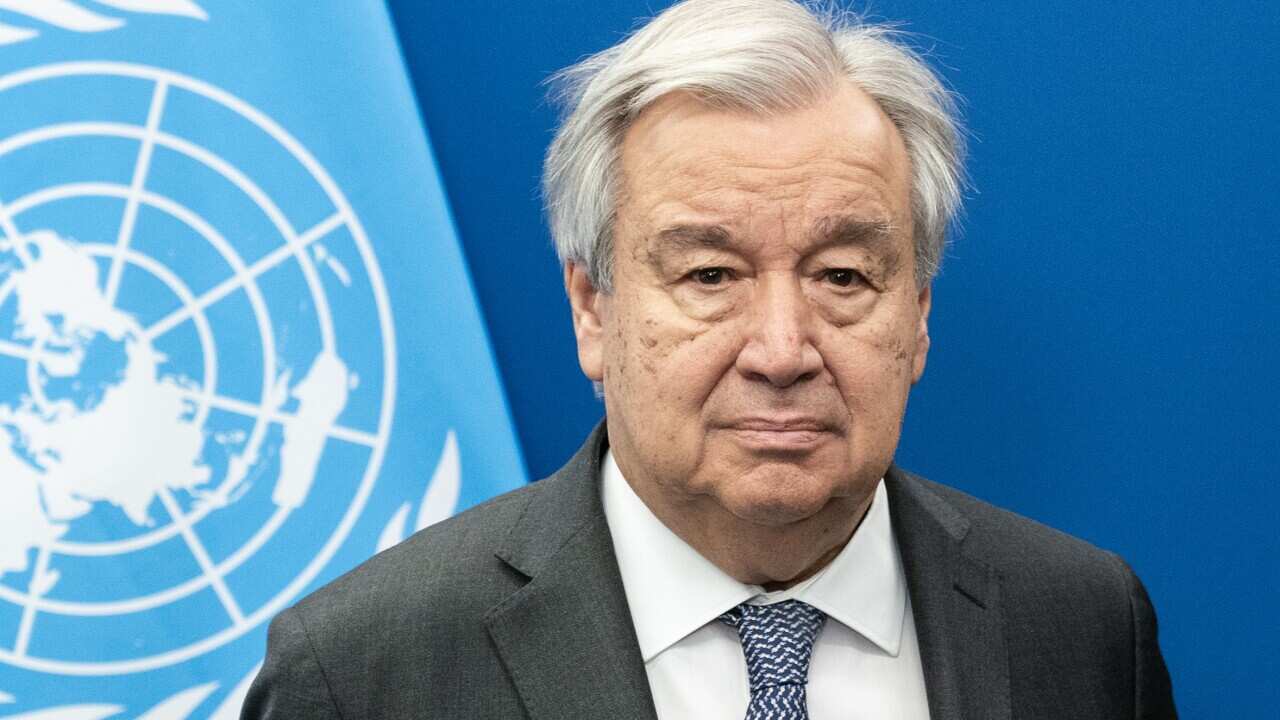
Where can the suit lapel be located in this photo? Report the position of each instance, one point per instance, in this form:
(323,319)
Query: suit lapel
(566,637)
(955,602)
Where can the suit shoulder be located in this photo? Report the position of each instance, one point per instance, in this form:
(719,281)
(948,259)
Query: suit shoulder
(451,564)
(1015,544)
(388,637)
(1051,585)
(1065,605)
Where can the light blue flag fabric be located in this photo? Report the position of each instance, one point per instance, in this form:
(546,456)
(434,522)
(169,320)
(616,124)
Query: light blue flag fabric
(239,350)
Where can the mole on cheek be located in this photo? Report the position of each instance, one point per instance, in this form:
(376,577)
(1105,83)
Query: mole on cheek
(901,351)
(692,334)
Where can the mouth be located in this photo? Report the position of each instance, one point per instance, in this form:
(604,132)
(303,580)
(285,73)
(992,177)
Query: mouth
(789,434)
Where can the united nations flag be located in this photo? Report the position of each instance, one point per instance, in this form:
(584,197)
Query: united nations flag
(239,352)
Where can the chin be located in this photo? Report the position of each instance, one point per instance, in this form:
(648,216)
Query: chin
(774,515)
(776,499)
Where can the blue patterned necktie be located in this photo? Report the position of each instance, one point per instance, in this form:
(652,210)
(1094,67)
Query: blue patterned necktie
(777,641)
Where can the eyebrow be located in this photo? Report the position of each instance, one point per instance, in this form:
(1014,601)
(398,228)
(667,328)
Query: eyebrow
(692,237)
(673,241)
(832,231)
(877,236)
(845,230)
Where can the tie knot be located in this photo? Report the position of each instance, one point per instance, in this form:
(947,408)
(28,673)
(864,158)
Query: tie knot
(777,640)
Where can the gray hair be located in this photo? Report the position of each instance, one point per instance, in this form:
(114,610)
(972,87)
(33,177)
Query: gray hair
(760,56)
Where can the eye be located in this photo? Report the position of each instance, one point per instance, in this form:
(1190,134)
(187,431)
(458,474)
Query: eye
(842,277)
(711,276)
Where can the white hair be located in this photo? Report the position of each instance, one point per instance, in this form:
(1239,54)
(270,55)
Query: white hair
(761,56)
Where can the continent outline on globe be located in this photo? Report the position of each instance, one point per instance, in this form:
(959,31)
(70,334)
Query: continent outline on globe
(60,340)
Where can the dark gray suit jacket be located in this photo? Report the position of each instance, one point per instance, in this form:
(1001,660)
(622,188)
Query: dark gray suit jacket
(515,609)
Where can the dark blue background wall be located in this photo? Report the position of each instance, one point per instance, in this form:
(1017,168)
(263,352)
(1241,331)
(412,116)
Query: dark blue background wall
(1104,351)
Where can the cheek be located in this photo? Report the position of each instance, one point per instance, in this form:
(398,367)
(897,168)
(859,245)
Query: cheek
(661,369)
(871,363)
(662,351)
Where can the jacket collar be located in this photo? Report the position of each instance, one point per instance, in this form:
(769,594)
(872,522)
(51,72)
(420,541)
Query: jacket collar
(955,601)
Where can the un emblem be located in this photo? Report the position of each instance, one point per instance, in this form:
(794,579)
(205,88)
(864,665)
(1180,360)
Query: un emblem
(194,334)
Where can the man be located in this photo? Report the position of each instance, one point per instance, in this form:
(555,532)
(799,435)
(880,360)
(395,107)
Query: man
(750,201)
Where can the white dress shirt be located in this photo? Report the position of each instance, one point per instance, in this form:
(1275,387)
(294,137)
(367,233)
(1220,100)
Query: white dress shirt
(866,661)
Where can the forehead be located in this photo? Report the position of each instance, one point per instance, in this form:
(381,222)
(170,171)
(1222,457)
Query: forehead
(683,161)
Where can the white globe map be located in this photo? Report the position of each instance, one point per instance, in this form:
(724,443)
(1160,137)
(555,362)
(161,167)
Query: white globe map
(102,420)
(128,439)
(78,451)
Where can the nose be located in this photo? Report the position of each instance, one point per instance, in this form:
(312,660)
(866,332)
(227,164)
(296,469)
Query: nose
(779,349)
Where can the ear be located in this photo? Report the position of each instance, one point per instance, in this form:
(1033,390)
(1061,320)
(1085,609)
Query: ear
(924,301)
(588,325)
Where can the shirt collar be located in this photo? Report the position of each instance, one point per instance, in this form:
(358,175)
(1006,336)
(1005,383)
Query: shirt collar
(672,590)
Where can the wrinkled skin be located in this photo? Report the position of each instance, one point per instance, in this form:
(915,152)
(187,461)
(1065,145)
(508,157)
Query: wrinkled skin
(764,329)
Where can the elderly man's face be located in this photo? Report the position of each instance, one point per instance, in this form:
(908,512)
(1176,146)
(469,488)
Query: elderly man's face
(765,326)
